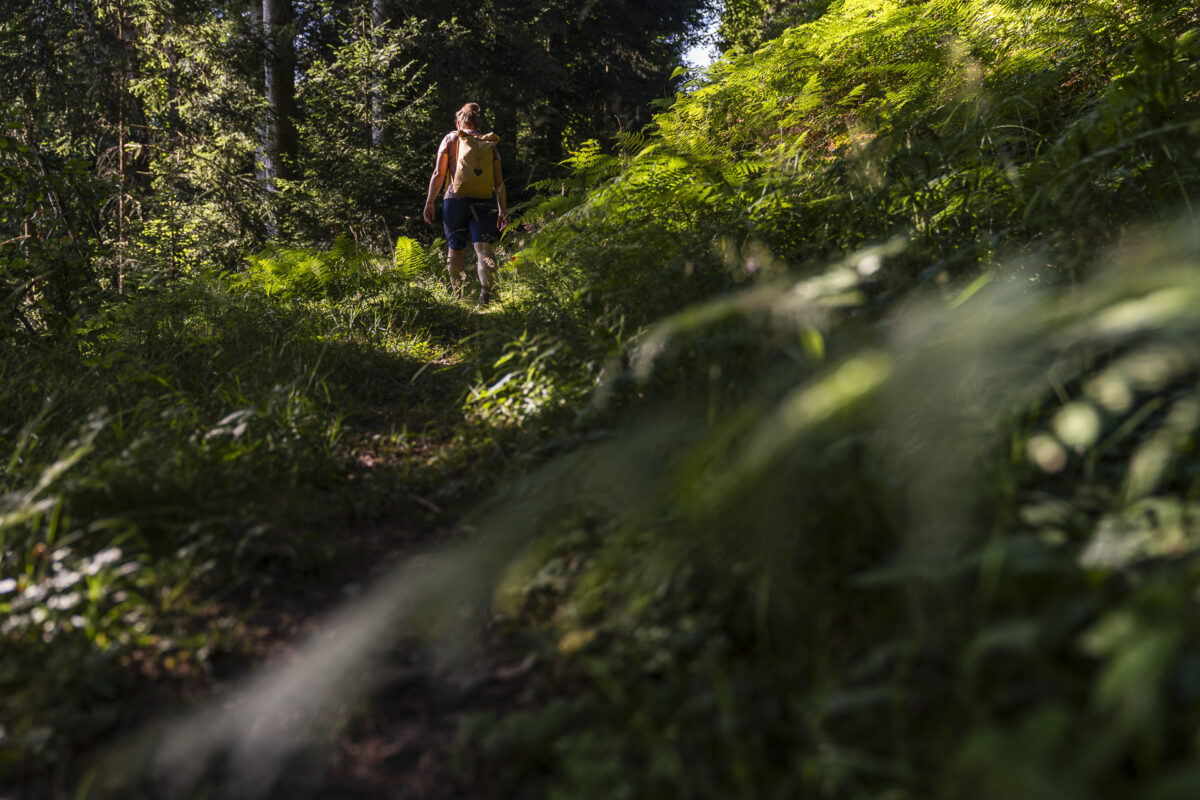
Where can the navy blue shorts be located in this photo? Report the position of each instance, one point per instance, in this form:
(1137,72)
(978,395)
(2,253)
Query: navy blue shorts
(469,217)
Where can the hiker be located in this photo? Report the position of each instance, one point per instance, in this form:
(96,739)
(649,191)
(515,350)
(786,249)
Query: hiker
(475,207)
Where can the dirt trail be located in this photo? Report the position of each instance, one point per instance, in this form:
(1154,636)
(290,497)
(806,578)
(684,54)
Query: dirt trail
(404,738)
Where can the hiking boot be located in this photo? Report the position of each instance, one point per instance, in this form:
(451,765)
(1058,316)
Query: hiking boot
(485,296)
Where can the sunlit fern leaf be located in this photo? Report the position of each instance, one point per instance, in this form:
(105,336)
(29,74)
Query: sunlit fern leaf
(409,258)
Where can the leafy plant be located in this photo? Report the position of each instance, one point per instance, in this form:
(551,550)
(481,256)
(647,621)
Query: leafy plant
(304,273)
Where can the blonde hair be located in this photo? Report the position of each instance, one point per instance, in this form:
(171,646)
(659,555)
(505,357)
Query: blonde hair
(468,116)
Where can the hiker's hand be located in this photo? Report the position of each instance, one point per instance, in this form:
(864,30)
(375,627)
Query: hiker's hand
(502,220)
(429,212)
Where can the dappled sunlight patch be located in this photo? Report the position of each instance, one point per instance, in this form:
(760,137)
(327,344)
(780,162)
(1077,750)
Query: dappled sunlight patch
(1077,425)
(521,384)
(1111,389)
(1151,462)
(1157,527)
(1151,311)
(1046,452)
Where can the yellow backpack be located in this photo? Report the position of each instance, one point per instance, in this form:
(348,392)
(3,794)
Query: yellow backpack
(473,173)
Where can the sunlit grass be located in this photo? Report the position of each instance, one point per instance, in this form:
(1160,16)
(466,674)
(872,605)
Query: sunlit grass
(191,444)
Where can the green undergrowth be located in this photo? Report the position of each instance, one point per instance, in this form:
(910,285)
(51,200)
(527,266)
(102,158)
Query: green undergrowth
(981,130)
(201,447)
(906,504)
(958,559)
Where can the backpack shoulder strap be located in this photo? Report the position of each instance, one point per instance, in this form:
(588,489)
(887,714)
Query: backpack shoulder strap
(450,143)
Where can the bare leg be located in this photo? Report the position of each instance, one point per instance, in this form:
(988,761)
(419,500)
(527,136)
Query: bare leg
(456,265)
(486,257)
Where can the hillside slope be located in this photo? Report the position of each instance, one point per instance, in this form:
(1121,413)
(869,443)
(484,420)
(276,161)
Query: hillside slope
(909,506)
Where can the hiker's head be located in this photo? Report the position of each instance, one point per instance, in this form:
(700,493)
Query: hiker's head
(468,117)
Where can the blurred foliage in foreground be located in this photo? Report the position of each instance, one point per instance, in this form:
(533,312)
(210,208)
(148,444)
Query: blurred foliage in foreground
(957,559)
(916,525)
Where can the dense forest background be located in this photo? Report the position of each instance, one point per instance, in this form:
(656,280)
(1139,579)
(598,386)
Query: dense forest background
(153,135)
(834,435)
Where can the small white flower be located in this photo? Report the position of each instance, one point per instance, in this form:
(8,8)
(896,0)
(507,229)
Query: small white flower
(64,580)
(107,556)
(62,602)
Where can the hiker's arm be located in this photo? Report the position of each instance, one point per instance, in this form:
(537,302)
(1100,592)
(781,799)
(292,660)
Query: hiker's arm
(501,194)
(435,183)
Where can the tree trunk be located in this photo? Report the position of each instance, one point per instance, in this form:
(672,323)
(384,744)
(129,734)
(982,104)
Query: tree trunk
(124,36)
(279,139)
(378,17)
(168,145)
(29,232)
(258,36)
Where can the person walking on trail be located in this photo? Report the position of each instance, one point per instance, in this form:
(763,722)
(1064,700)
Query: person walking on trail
(475,207)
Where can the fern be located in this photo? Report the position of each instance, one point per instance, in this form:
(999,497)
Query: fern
(289,272)
(410,259)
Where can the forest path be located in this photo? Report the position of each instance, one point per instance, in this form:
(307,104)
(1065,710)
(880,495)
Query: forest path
(404,737)
(397,460)
(399,738)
